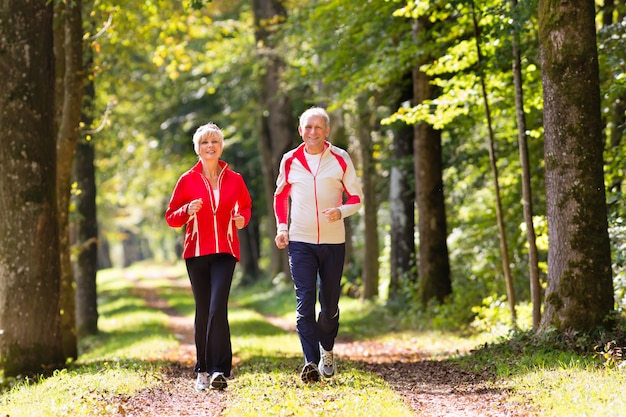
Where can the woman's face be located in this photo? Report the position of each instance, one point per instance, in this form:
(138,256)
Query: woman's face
(210,147)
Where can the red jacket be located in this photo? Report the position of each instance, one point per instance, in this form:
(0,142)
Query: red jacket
(212,229)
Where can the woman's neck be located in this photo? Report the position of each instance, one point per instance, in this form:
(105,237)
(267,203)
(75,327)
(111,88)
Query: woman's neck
(211,170)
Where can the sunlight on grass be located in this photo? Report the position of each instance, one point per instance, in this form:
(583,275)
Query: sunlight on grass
(573,391)
(350,393)
(252,335)
(128,329)
(80,392)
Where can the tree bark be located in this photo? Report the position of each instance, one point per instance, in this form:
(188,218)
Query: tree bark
(85,242)
(580,287)
(84,223)
(277,125)
(69,58)
(434,263)
(370,203)
(611,15)
(402,205)
(29,248)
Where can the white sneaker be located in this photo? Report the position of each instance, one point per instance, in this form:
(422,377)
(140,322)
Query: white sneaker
(327,366)
(218,381)
(202,382)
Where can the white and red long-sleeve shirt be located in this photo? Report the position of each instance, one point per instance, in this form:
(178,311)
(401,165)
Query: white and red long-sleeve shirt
(315,183)
(212,229)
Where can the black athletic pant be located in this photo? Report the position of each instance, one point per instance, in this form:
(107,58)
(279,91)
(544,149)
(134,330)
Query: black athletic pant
(211,277)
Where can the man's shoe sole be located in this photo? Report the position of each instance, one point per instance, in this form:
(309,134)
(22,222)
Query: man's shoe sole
(310,373)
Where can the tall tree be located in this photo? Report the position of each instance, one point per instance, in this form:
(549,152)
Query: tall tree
(68,39)
(29,246)
(580,288)
(84,223)
(402,202)
(504,245)
(277,125)
(611,39)
(364,126)
(434,263)
(522,140)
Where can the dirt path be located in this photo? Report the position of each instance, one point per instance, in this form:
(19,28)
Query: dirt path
(430,388)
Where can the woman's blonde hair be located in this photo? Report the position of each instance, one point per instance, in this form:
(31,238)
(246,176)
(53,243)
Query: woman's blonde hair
(211,130)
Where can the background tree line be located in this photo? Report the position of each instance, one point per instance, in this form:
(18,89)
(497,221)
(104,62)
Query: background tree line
(476,126)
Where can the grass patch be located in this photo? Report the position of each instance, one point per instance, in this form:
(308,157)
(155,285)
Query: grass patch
(83,390)
(560,374)
(128,328)
(574,389)
(353,392)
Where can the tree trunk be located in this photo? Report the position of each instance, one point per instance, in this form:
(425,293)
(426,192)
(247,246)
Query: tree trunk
(29,246)
(402,206)
(69,58)
(84,225)
(504,246)
(611,15)
(85,244)
(580,287)
(527,200)
(370,203)
(434,263)
(278,128)
(339,137)
(249,243)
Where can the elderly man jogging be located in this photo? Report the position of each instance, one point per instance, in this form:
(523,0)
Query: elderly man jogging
(321,182)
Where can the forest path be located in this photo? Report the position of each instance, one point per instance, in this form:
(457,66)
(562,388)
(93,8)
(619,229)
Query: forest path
(431,388)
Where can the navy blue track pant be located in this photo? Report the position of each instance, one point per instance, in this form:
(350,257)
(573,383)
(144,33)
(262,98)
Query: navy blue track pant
(211,277)
(308,262)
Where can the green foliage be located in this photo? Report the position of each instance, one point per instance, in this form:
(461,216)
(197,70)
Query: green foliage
(352,48)
(175,78)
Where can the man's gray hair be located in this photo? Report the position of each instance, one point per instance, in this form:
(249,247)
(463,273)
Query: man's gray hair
(314,111)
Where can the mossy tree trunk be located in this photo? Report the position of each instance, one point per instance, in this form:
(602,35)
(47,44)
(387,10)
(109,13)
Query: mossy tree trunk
(580,287)
(30,322)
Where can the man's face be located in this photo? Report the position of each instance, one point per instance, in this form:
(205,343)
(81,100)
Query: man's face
(313,133)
